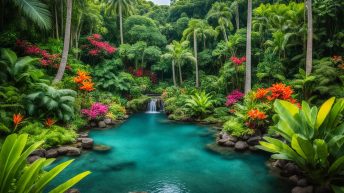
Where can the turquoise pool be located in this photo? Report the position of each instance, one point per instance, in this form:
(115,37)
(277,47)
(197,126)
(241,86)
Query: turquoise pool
(151,154)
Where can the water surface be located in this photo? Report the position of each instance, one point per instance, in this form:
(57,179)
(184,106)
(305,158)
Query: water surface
(151,154)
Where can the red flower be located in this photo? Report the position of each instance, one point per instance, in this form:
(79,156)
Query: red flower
(255,114)
(261,93)
(49,122)
(17,119)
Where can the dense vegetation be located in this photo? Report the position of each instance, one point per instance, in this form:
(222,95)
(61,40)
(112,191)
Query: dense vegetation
(243,65)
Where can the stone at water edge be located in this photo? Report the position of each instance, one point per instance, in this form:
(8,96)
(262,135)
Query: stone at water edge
(302,182)
(101,124)
(108,121)
(93,124)
(51,153)
(39,152)
(87,143)
(294,179)
(67,150)
(33,158)
(73,190)
(241,146)
(254,140)
(83,135)
(229,144)
(297,189)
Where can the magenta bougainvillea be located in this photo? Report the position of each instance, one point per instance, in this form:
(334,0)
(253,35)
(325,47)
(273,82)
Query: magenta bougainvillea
(97,47)
(234,97)
(238,61)
(95,111)
(47,59)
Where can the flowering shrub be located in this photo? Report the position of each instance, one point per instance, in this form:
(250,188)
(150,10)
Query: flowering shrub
(84,81)
(339,61)
(238,61)
(234,97)
(96,110)
(95,47)
(276,91)
(47,59)
(255,114)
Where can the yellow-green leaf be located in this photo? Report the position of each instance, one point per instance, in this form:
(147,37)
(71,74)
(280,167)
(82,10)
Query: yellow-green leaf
(324,111)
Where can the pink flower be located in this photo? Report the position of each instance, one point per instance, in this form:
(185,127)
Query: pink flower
(234,97)
(238,61)
(96,110)
(97,36)
(93,52)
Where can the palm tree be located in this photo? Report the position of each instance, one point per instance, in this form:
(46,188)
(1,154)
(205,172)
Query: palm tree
(309,58)
(63,63)
(248,48)
(222,13)
(35,10)
(120,8)
(198,28)
(178,52)
(234,7)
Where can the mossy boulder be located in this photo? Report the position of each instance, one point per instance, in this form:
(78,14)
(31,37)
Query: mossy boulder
(138,104)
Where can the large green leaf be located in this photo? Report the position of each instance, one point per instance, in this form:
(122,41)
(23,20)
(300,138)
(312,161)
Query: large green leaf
(324,111)
(68,184)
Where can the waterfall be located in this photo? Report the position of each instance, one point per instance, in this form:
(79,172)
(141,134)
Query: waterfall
(152,106)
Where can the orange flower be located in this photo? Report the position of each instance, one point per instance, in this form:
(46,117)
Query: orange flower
(82,76)
(49,122)
(261,93)
(255,114)
(87,86)
(17,119)
(280,91)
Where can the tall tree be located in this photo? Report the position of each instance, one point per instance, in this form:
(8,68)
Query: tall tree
(179,53)
(222,13)
(66,43)
(248,78)
(36,11)
(121,8)
(309,56)
(197,28)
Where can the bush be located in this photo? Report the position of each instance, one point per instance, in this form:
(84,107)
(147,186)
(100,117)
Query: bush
(138,104)
(52,137)
(236,128)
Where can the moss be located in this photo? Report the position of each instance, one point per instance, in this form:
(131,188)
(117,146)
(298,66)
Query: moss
(236,128)
(138,104)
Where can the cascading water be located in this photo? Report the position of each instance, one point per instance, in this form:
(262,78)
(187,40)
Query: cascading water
(152,106)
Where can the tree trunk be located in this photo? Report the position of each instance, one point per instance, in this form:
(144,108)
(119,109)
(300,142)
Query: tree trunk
(174,73)
(66,40)
(237,17)
(196,63)
(56,22)
(309,57)
(62,17)
(180,74)
(248,48)
(121,23)
(224,33)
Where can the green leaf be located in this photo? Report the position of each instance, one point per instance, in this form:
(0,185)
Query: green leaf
(68,184)
(324,111)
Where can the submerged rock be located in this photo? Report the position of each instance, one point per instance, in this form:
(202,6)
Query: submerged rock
(241,146)
(101,148)
(73,190)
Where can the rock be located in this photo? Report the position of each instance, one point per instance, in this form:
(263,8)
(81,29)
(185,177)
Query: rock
(126,116)
(245,137)
(101,124)
(114,122)
(83,135)
(73,190)
(291,169)
(93,124)
(229,144)
(254,140)
(70,151)
(253,148)
(51,153)
(302,182)
(279,164)
(102,148)
(225,136)
(297,189)
(32,159)
(39,152)
(294,179)
(108,121)
(241,146)
(87,143)
(232,138)
(221,141)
